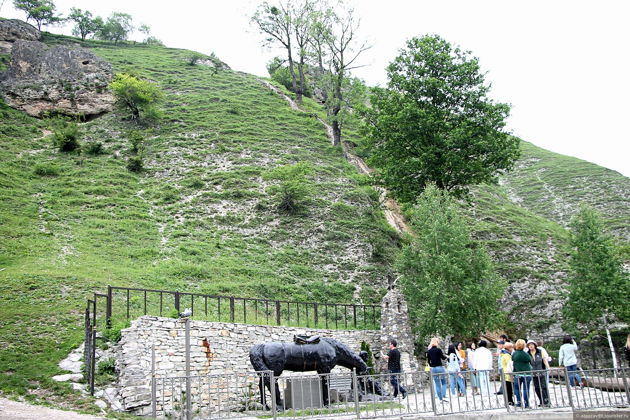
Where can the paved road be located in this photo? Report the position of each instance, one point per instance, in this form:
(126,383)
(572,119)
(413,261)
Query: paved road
(13,410)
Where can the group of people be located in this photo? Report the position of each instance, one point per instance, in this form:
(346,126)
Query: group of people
(521,362)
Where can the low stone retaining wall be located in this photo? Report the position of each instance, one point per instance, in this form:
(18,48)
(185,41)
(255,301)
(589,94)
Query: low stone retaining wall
(217,348)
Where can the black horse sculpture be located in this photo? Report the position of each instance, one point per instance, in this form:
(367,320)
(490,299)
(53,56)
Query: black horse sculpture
(320,356)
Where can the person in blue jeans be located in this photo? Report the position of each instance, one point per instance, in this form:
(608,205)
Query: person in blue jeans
(568,359)
(454,368)
(522,363)
(435,356)
(393,366)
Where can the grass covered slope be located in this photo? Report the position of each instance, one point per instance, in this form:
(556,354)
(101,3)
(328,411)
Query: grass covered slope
(553,186)
(202,216)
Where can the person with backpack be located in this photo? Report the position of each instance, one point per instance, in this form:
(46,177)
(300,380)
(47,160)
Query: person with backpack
(453,366)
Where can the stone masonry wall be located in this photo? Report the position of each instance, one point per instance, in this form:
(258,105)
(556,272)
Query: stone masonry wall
(216,349)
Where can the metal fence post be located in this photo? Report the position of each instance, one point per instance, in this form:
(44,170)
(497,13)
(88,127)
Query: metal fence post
(108,309)
(188,393)
(177,301)
(277,312)
(566,377)
(315,313)
(355,386)
(92,360)
(432,388)
(153,384)
(272,390)
(231,308)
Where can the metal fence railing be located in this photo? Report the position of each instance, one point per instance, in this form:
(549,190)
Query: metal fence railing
(348,395)
(126,303)
(131,303)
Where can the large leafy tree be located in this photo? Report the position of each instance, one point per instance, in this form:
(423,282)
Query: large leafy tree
(435,122)
(117,27)
(447,277)
(599,288)
(43,12)
(84,23)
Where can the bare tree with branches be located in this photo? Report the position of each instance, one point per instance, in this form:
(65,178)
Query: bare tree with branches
(344,50)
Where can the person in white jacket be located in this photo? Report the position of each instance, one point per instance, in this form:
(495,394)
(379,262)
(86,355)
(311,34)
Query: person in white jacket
(483,366)
(568,359)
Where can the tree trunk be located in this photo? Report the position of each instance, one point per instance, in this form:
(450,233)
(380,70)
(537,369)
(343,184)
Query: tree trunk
(300,89)
(336,127)
(292,69)
(612,351)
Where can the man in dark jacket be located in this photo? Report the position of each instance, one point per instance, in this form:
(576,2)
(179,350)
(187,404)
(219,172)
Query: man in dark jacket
(393,366)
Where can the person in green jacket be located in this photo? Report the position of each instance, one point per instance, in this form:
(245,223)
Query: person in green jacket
(522,362)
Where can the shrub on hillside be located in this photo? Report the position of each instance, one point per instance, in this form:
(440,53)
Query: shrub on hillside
(136,95)
(46,169)
(136,139)
(94,149)
(66,136)
(135,163)
(294,190)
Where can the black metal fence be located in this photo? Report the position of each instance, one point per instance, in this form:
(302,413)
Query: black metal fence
(131,303)
(348,395)
(126,303)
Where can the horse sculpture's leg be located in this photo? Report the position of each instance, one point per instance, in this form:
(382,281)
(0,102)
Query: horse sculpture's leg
(324,381)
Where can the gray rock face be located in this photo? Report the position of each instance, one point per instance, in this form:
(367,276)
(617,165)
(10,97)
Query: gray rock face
(12,30)
(71,81)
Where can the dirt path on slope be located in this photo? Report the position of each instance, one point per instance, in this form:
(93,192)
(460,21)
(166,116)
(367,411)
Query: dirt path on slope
(14,410)
(392,211)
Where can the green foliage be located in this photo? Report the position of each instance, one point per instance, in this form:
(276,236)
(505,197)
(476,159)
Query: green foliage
(294,190)
(281,74)
(46,169)
(194,57)
(370,359)
(447,277)
(66,136)
(94,148)
(116,28)
(43,12)
(84,23)
(5,59)
(435,122)
(135,163)
(114,333)
(136,140)
(599,288)
(106,367)
(136,95)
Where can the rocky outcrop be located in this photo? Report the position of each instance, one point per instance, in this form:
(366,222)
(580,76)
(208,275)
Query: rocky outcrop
(12,30)
(71,81)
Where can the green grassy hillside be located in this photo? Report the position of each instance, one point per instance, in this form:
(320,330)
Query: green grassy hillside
(203,214)
(553,186)
(202,217)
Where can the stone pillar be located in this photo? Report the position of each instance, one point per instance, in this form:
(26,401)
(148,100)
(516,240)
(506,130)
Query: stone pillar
(395,325)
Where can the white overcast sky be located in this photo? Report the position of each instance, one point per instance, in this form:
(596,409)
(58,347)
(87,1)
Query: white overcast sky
(563,65)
